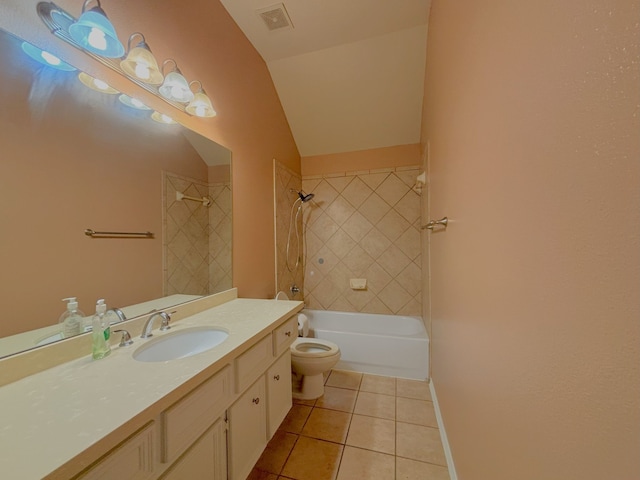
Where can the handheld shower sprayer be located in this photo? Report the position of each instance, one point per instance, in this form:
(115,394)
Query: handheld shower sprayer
(293,221)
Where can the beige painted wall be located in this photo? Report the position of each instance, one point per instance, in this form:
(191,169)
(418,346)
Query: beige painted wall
(371,159)
(208,46)
(531,112)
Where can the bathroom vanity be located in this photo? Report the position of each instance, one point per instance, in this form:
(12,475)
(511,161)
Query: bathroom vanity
(209,415)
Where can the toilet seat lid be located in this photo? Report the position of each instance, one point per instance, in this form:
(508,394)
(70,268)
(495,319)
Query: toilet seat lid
(313,348)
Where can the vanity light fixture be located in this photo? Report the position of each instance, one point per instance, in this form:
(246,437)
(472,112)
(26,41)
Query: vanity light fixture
(132,102)
(45,57)
(140,62)
(162,118)
(175,87)
(96,84)
(200,106)
(94,32)
(96,37)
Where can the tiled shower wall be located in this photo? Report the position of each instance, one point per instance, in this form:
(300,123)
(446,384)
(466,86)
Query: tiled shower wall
(286,180)
(364,225)
(196,239)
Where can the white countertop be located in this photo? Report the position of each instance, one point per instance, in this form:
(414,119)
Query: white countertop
(50,417)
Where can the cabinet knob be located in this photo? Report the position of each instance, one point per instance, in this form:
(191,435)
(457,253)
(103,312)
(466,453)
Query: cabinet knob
(256,400)
(276,377)
(288,333)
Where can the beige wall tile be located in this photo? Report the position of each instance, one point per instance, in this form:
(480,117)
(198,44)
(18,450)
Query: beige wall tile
(392,189)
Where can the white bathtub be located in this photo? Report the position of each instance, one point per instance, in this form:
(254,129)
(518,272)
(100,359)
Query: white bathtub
(391,345)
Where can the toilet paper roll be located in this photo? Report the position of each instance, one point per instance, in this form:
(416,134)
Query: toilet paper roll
(303,325)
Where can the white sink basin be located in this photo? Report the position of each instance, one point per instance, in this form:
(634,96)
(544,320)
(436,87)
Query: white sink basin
(180,344)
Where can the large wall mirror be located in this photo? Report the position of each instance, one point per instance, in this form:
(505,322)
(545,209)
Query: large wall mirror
(74,159)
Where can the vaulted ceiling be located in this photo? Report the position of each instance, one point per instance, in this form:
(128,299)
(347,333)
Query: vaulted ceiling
(349,74)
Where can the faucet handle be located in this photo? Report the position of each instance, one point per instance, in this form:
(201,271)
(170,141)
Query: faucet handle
(166,318)
(126,338)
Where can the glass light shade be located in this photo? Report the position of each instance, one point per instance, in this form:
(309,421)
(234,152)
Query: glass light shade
(132,102)
(176,88)
(45,57)
(141,64)
(96,84)
(94,32)
(201,106)
(162,118)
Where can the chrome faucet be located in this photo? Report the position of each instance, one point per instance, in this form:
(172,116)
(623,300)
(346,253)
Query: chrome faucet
(148,326)
(119,313)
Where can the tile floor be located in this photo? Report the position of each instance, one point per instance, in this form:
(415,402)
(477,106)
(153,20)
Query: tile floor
(365,427)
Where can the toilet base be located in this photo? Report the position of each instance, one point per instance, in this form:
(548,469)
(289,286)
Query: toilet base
(311,387)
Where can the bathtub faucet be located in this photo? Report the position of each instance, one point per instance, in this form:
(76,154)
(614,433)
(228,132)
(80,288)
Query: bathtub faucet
(294,289)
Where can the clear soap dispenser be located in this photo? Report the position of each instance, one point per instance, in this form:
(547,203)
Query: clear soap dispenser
(71,319)
(101,332)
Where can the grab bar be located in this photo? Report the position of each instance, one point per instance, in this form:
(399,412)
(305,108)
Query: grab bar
(92,233)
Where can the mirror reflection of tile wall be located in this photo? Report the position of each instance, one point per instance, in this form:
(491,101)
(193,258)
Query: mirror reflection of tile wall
(196,238)
(286,180)
(364,225)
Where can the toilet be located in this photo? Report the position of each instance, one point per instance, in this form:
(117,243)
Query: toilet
(311,358)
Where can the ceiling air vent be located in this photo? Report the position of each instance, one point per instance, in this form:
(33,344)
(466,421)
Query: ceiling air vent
(275,17)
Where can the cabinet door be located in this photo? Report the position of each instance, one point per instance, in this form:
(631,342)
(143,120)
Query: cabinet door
(278,392)
(132,460)
(247,430)
(205,460)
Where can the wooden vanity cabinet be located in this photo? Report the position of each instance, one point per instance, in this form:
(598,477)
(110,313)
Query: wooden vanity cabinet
(219,429)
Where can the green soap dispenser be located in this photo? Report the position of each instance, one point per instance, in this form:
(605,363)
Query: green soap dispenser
(101,332)
(71,319)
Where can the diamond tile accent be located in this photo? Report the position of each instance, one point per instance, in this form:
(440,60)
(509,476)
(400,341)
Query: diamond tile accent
(394,296)
(393,260)
(374,208)
(340,210)
(325,194)
(409,207)
(356,192)
(392,189)
(356,232)
(339,183)
(341,243)
(393,225)
(358,260)
(357,226)
(324,227)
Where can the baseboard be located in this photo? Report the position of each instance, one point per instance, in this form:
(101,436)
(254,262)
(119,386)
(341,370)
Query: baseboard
(443,434)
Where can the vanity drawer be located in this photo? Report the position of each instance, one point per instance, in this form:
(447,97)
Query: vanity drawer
(284,335)
(253,363)
(190,417)
(132,460)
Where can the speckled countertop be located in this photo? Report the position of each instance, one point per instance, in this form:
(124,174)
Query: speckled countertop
(50,418)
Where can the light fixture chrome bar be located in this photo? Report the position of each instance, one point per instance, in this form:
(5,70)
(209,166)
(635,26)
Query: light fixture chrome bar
(92,233)
(58,22)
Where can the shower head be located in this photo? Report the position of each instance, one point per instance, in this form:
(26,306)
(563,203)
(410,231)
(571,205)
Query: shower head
(305,198)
